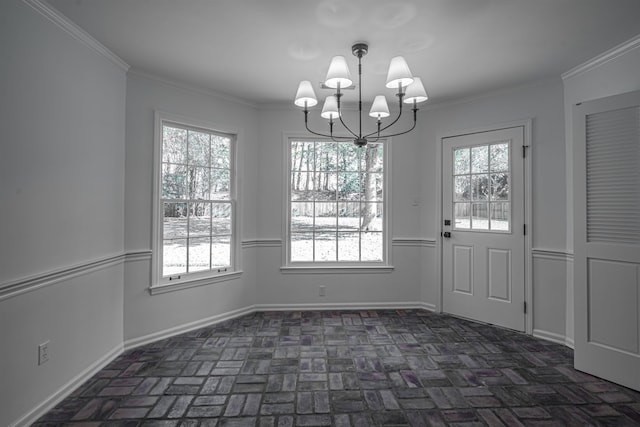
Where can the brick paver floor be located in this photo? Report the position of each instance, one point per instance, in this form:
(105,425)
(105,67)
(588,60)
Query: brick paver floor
(347,368)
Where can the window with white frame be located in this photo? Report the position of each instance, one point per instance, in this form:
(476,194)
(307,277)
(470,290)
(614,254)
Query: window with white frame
(195,201)
(336,203)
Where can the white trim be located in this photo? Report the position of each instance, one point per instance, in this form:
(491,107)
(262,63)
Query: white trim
(413,241)
(186,284)
(31,283)
(139,255)
(62,22)
(603,58)
(187,327)
(428,306)
(551,255)
(158,283)
(64,391)
(527,125)
(387,232)
(553,337)
(191,87)
(261,243)
(336,269)
(344,306)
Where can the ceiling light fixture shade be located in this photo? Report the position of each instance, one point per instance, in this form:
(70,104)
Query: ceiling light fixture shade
(379,108)
(415,92)
(338,78)
(338,74)
(305,96)
(399,73)
(330,108)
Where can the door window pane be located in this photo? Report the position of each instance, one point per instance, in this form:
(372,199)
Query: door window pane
(461,161)
(481,175)
(480,159)
(480,216)
(480,187)
(462,215)
(499,186)
(500,216)
(499,157)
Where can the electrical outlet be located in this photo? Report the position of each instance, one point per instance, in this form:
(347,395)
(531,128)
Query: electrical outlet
(323,290)
(43,353)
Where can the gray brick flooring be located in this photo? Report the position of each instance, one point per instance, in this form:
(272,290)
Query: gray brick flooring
(346,368)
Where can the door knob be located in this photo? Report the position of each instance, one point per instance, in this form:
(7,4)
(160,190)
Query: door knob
(446,234)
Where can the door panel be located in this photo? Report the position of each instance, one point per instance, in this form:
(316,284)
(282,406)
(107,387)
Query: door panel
(607,238)
(483,197)
(500,274)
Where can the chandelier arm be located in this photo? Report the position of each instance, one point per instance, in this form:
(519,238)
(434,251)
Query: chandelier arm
(324,135)
(338,96)
(415,110)
(400,96)
(347,127)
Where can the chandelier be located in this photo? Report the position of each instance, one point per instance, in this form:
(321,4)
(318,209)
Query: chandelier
(410,91)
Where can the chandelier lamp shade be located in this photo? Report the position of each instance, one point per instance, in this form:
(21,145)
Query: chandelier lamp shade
(410,91)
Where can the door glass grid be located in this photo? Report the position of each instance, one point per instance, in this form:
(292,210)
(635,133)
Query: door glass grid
(482,187)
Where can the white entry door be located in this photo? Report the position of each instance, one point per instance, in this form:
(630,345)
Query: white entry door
(483,247)
(607,238)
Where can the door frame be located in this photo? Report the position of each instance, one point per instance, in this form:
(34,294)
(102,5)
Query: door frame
(528,274)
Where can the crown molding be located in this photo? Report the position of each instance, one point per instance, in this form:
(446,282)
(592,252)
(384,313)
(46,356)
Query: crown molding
(603,58)
(75,31)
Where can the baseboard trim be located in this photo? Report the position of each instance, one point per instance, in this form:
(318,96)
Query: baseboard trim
(64,391)
(553,337)
(187,327)
(343,306)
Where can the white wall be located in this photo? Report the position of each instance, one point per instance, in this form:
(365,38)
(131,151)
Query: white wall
(62,166)
(144,314)
(276,288)
(612,73)
(541,102)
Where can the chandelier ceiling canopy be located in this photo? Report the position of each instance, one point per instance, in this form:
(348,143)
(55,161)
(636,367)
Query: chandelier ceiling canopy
(410,91)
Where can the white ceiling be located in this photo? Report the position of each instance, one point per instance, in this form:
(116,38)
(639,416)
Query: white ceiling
(258,50)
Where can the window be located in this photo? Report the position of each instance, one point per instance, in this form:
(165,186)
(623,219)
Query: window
(336,203)
(195,202)
(481,191)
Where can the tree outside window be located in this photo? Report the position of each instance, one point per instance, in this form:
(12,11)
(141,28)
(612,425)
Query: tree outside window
(196,200)
(336,202)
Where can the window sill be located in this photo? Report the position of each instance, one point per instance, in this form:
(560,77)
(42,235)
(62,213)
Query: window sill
(351,269)
(192,283)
